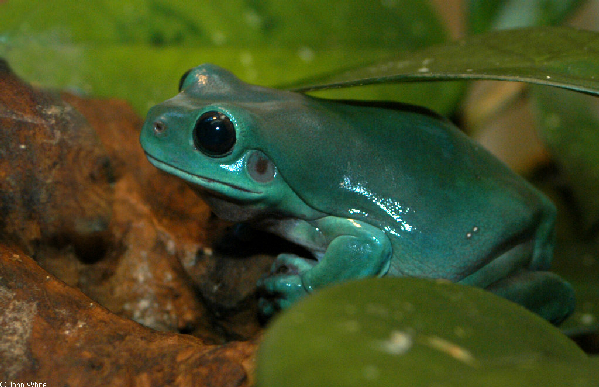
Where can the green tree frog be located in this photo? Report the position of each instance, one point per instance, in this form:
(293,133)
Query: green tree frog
(369,188)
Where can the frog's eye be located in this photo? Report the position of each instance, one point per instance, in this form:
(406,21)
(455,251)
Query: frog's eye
(214,134)
(260,168)
(182,80)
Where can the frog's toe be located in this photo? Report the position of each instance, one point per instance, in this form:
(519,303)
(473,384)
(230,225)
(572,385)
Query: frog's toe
(286,285)
(291,264)
(267,307)
(279,292)
(542,292)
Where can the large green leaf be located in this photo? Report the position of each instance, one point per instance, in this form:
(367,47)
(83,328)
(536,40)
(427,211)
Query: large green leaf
(555,56)
(405,24)
(416,332)
(138,49)
(485,15)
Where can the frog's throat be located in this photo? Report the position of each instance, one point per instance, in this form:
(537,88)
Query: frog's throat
(202,181)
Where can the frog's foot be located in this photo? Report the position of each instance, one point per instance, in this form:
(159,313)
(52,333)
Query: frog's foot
(283,286)
(542,292)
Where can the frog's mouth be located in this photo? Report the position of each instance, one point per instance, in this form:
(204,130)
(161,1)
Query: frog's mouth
(199,180)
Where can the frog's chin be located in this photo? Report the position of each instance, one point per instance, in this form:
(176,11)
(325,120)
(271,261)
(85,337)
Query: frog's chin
(205,183)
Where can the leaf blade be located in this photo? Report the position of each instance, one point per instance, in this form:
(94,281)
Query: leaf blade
(556,56)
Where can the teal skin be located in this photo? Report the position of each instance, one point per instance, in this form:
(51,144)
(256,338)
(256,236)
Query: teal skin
(369,188)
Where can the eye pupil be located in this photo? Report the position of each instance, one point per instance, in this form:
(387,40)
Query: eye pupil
(214,134)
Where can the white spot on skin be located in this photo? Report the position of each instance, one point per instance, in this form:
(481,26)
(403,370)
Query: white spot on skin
(398,343)
(423,70)
(469,234)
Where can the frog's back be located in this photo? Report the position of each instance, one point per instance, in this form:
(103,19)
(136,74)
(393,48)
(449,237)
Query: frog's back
(447,205)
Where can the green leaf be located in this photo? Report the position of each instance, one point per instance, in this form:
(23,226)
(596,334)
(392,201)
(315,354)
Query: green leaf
(138,49)
(556,56)
(485,15)
(241,23)
(416,332)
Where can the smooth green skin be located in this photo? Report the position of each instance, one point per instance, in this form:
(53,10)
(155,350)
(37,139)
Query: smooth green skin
(371,189)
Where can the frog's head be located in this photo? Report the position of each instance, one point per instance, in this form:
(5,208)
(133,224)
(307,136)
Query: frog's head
(206,136)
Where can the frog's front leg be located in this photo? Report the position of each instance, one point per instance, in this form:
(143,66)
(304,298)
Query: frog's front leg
(355,250)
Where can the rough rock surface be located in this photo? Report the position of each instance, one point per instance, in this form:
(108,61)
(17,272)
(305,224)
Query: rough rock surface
(52,333)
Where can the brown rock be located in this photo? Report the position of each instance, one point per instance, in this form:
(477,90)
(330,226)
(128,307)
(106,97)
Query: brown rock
(53,333)
(54,174)
(78,195)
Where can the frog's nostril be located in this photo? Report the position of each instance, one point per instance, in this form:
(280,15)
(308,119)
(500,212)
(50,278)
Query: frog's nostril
(159,128)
